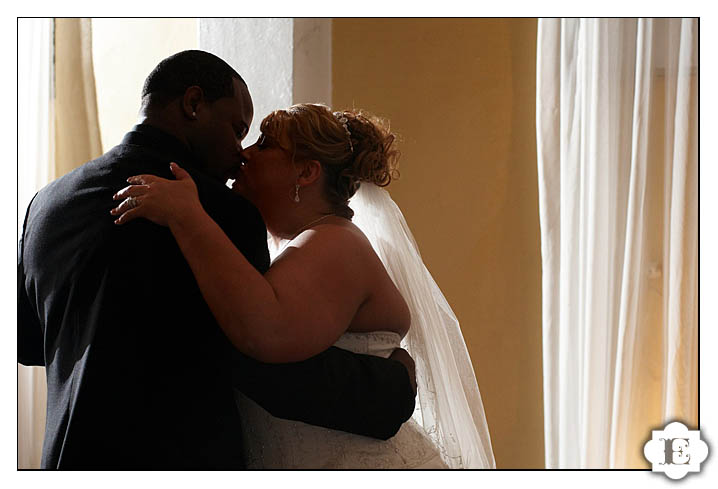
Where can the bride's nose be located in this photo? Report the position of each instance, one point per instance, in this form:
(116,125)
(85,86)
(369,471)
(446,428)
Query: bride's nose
(244,153)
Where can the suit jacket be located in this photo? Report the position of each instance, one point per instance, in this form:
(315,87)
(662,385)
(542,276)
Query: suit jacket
(139,374)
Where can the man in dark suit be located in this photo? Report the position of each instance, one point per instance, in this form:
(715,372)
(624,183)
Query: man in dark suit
(139,374)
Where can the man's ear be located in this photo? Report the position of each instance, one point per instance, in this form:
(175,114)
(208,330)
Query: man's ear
(309,172)
(193,102)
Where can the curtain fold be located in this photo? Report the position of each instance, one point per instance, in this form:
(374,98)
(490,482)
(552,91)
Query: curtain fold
(58,131)
(77,126)
(617,166)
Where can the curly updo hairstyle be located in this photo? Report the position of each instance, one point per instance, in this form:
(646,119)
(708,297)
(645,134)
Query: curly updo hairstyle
(360,152)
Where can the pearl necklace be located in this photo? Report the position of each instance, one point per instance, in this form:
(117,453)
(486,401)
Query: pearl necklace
(303,228)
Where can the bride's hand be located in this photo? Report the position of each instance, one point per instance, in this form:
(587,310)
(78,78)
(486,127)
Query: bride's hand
(162,201)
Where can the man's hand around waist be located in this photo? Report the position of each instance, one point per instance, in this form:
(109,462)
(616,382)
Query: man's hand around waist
(402,356)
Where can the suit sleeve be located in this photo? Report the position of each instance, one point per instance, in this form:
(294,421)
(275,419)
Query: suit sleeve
(30,338)
(336,389)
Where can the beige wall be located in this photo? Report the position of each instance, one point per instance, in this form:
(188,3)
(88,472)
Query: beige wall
(124,52)
(461,92)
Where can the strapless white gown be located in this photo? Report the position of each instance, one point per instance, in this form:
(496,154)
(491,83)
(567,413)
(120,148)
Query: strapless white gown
(273,443)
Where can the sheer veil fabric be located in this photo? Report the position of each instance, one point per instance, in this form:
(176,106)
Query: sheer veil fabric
(449,404)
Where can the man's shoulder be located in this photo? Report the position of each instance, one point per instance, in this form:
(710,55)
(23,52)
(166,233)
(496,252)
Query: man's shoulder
(222,197)
(239,219)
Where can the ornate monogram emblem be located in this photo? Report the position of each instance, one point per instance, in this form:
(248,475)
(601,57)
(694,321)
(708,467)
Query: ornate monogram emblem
(676,450)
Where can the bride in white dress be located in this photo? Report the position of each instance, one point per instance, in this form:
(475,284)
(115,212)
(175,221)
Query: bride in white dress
(345,272)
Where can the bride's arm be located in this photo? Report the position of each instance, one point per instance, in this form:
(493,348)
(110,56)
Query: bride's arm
(297,310)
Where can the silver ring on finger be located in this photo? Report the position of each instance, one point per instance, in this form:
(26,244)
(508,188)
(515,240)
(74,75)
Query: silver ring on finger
(132,202)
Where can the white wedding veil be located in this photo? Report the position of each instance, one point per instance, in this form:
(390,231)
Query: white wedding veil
(449,403)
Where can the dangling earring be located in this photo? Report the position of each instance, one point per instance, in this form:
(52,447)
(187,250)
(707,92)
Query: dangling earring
(296,193)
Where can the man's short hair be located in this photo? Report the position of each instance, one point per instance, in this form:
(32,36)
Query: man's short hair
(174,75)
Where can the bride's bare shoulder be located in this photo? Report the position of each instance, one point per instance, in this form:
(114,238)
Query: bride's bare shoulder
(336,236)
(385,309)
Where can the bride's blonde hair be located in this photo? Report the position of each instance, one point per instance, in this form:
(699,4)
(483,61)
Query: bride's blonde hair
(358,150)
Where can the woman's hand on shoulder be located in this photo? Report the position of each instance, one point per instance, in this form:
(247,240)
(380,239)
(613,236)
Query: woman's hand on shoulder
(164,202)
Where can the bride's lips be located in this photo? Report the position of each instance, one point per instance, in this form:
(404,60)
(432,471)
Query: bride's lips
(235,172)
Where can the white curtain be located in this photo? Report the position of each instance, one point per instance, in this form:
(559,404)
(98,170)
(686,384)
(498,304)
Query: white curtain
(617,141)
(35,169)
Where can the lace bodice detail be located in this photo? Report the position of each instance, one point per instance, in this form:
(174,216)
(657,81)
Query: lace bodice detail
(273,443)
(377,343)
